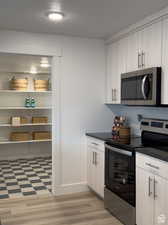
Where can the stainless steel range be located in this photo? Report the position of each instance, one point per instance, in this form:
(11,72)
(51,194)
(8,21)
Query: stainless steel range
(120,186)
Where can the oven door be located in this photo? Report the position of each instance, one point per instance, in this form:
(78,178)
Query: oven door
(120,173)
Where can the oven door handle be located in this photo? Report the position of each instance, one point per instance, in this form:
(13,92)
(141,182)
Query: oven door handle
(118,150)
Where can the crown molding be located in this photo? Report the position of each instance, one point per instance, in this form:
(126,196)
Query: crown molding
(138,26)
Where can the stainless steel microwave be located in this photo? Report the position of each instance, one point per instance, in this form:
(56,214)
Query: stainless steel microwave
(141,87)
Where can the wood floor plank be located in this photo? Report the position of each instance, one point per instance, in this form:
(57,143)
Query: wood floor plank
(76,209)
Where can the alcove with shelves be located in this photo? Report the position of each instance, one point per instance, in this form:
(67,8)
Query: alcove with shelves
(12,104)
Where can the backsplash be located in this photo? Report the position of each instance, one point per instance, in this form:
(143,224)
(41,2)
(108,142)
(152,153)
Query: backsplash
(131,113)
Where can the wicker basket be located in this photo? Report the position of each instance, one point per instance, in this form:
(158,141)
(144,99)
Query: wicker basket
(23,120)
(40,119)
(19,84)
(41,135)
(18,120)
(41,85)
(20,136)
(124,132)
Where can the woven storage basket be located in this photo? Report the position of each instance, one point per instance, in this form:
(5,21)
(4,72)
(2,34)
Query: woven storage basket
(19,84)
(20,136)
(40,119)
(23,120)
(41,85)
(41,135)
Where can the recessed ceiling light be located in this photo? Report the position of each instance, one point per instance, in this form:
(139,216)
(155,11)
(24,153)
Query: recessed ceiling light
(33,70)
(44,62)
(55,16)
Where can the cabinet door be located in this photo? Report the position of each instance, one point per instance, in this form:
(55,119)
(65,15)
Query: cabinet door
(151,45)
(100,173)
(166,199)
(144,197)
(112,73)
(132,55)
(91,179)
(160,202)
(122,65)
(164,95)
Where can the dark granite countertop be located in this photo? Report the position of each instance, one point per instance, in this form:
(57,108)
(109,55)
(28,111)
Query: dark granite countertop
(101,136)
(158,153)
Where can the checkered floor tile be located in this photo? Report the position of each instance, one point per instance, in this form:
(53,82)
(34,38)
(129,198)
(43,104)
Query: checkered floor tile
(25,177)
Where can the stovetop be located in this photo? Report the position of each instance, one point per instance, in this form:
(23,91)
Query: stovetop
(151,144)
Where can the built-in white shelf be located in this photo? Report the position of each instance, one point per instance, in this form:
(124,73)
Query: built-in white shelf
(20,142)
(24,108)
(26,125)
(13,91)
(24,73)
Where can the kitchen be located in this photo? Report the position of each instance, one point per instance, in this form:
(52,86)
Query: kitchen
(135,164)
(85,69)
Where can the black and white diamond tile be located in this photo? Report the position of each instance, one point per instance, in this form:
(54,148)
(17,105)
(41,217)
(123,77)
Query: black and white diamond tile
(25,177)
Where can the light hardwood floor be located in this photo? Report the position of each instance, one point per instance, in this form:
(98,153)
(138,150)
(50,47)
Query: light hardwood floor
(77,209)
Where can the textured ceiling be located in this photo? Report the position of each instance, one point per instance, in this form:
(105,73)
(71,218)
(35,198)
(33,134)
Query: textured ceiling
(87,18)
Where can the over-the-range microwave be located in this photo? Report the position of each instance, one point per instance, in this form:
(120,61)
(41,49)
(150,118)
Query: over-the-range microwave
(141,87)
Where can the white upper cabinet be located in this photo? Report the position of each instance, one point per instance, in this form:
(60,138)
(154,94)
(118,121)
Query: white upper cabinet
(164,99)
(144,48)
(150,45)
(116,65)
(132,55)
(113,79)
(139,50)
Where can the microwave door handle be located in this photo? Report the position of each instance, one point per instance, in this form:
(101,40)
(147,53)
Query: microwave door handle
(143,86)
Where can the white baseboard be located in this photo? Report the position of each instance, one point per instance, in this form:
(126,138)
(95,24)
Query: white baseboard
(70,189)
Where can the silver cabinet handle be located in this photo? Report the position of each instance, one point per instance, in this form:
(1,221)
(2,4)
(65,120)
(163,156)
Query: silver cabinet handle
(112,94)
(93,143)
(154,189)
(93,158)
(115,94)
(114,97)
(139,55)
(149,186)
(153,166)
(143,59)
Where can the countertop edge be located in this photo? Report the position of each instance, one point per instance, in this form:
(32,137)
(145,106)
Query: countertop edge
(153,155)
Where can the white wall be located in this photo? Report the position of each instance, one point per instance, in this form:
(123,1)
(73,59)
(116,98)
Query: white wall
(82,102)
(78,99)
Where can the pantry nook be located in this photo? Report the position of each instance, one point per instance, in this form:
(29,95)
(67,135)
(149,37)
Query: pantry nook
(25,124)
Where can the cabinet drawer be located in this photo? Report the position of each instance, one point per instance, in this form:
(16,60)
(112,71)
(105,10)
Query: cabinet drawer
(95,143)
(152,165)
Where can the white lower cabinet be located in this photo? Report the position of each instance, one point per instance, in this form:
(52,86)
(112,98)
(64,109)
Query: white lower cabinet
(95,166)
(151,191)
